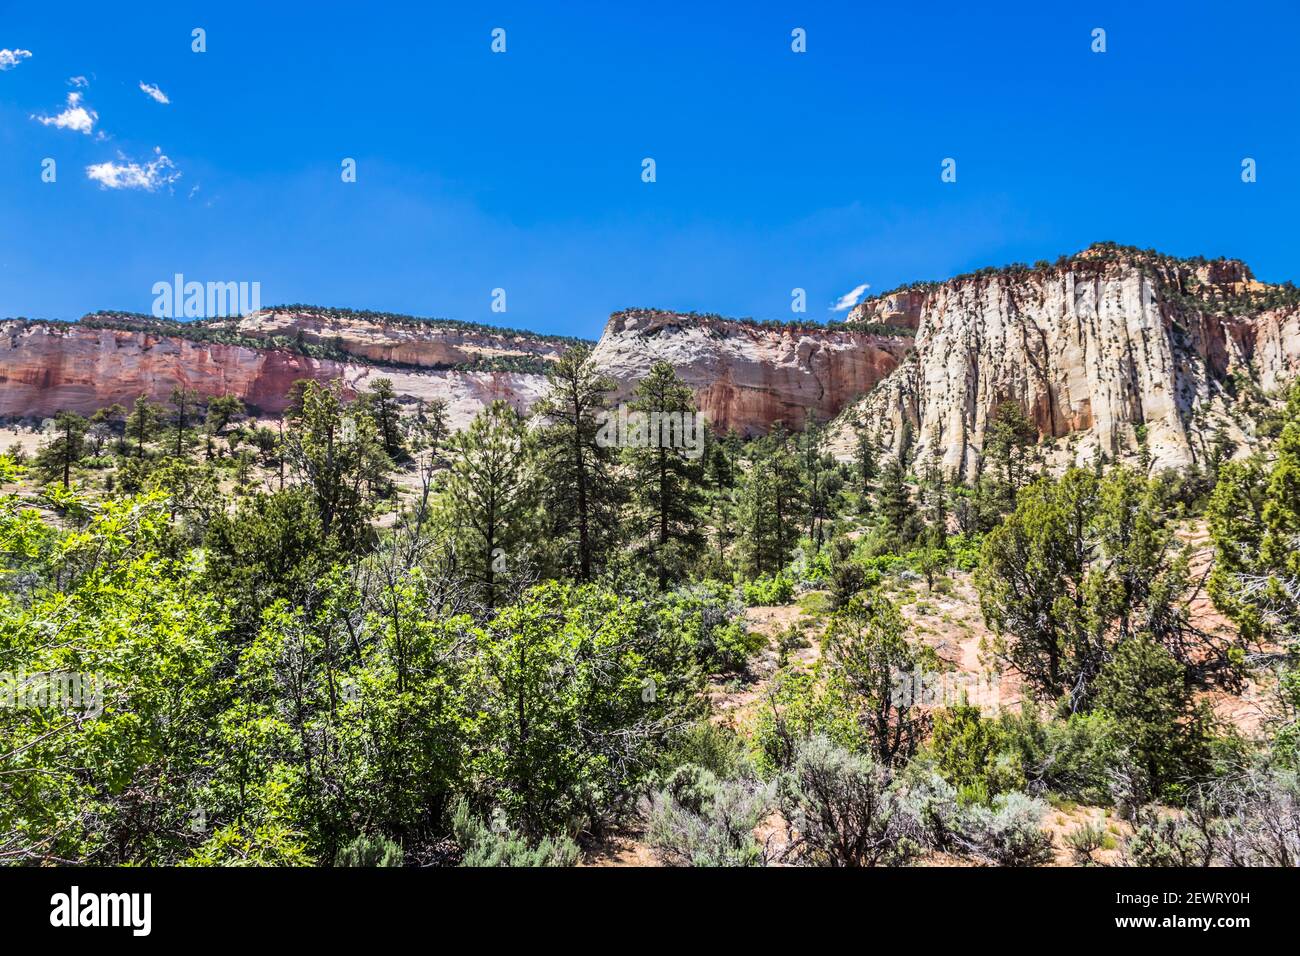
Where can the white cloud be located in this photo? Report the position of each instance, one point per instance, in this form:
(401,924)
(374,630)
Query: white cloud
(74,117)
(11,58)
(150,177)
(849,299)
(78,81)
(157,95)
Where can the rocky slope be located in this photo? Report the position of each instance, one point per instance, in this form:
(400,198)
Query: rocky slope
(1104,351)
(747,375)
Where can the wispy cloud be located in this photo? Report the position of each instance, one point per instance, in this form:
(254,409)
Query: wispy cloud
(150,176)
(11,58)
(75,116)
(849,299)
(78,81)
(155,94)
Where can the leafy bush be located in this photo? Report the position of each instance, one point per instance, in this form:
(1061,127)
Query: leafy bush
(768,591)
(1070,757)
(972,753)
(712,622)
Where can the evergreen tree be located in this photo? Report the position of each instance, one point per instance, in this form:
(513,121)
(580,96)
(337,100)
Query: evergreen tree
(490,495)
(865,462)
(666,479)
(65,449)
(581,489)
(1255,524)
(896,506)
(336,454)
(142,423)
(380,403)
(185,404)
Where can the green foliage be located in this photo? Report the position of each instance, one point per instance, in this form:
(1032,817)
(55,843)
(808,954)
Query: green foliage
(1081,566)
(1158,723)
(484,845)
(1255,525)
(666,482)
(579,691)
(370,851)
(769,591)
(583,493)
(972,753)
(491,496)
(712,624)
(868,652)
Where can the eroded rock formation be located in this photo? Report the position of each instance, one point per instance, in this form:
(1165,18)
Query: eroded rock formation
(1105,352)
(746,375)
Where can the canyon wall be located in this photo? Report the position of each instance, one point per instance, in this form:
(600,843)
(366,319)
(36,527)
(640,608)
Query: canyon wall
(746,375)
(49,367)
(1108,352)
(1104,354)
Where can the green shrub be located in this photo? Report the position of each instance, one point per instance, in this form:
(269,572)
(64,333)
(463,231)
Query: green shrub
(769,591)
(973,754)
(498,845)
(370,851)
(699,820)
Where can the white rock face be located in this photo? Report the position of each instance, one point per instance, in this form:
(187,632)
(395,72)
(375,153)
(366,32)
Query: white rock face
(1098,354)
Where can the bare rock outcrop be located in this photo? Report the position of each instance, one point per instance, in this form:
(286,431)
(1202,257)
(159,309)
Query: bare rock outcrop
(748,375)
(1105,352)
(49,367)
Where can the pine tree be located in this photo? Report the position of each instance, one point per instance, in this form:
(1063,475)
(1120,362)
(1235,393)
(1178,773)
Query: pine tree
(896,505)
(380,403)
(865,459)
(581,489)
(185,402)
(490,494)
(56,459)
(142,423)
(666,480)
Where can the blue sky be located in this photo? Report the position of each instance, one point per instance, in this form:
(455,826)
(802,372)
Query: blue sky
(522,170)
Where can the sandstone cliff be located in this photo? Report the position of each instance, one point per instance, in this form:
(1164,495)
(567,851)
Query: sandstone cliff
(1104,351)
(747,375)
(47,367)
